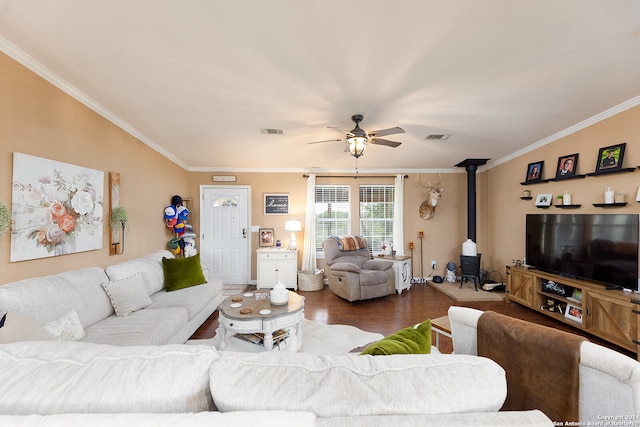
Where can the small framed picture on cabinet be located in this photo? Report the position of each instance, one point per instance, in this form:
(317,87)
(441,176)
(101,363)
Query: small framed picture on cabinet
(574,313)
(266,237)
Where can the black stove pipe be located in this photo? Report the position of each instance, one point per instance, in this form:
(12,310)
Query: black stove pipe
(471,166)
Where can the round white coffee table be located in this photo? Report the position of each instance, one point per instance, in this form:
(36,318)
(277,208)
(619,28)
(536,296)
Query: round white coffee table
(263,318)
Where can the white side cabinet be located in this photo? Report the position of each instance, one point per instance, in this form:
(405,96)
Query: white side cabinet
(402,271)
(277,264)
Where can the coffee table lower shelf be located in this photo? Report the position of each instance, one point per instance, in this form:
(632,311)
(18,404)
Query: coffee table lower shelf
(230,327)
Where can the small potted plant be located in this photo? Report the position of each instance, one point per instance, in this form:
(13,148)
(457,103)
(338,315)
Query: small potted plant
(559,200)
(5,219)
(119,217)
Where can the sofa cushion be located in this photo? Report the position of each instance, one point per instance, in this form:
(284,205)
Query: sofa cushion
(411,340)
(489,419)
(198,419)
(328,385)
(52,377)
(18,327)
(67,327)
(47,298)
(127,295)
(193,298)
(143,327)
(150,266)
(181,273)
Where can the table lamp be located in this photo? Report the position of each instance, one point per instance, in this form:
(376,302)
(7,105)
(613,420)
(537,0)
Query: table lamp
(292,225)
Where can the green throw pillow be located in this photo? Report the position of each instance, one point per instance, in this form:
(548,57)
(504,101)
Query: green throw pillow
(406,341)
(180,273)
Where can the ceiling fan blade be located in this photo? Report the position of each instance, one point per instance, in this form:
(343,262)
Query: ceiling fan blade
(326,140)
(380,141)
(338,129)
(385,132)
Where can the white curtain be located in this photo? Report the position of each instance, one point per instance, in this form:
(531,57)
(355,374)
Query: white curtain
(309,257)
(398,216)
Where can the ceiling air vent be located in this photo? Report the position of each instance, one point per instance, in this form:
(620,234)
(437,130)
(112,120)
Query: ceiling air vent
(272,131)
(438,136)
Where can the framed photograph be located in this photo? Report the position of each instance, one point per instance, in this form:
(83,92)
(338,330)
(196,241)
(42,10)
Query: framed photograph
(573,312)
(534,171)
(567,166)
(610,158)
(266,237)
(544,199)
(276,204)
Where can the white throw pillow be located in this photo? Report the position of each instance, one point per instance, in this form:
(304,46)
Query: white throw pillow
(128,295)
(67,327)
(18,327)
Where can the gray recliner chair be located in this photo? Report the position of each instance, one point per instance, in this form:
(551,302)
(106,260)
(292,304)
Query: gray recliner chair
(353,274)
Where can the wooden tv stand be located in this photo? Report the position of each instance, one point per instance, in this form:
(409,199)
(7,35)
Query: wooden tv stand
(608,314)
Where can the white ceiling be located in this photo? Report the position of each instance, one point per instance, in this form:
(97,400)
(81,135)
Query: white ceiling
(197,80)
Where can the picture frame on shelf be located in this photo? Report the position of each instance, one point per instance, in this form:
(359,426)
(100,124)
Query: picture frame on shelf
(266,237)
(567,166)
(610,158)
(574,313)
(534,172)
(544,199)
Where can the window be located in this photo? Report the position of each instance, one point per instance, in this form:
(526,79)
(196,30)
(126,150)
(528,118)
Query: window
(332,212)
(376,215)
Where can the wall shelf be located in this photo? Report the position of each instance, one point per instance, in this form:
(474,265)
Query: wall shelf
(609,205)
(538,181)
(526,197)
(565,178)
(543,207)
(610,171)
(568,206)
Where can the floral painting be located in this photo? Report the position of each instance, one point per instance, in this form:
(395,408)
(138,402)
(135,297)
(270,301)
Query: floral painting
(57,208)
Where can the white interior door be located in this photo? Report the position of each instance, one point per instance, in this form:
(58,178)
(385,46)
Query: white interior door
(224,241)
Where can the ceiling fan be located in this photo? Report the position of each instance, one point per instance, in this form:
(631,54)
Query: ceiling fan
(357,139)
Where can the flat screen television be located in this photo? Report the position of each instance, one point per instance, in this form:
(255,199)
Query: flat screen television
(598,247)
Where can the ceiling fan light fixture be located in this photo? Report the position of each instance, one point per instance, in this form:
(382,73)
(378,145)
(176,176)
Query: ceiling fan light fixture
(357,145)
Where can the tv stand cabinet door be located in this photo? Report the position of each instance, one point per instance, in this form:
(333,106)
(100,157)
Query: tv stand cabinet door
(612,319)
(520,286)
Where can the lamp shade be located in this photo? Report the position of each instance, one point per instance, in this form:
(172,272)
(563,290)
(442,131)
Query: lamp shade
(293,225)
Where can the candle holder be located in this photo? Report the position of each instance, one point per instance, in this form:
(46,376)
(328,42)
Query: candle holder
(421,280)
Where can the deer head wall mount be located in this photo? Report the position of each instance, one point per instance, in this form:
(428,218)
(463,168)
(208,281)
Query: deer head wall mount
(434,192)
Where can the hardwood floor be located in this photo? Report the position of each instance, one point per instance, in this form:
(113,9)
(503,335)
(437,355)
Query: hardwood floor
(393,312)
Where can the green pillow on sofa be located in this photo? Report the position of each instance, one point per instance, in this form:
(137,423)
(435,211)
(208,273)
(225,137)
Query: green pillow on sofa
(182,273)
(412,340)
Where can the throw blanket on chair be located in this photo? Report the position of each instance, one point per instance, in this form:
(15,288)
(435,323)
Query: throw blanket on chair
(541,363)
(350,243)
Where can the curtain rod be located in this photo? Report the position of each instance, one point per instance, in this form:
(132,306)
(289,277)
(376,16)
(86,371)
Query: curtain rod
(354,176)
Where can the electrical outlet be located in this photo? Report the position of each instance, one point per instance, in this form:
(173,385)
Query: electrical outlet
(433,264)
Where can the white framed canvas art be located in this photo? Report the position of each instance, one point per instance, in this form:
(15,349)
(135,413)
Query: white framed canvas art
(57,208)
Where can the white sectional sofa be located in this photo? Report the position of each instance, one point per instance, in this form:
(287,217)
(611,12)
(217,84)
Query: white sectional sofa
(169,318)
(88,382)
(53,383)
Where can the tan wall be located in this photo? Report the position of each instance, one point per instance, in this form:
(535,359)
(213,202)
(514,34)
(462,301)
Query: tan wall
(444,233)
(506,212)
(40,120)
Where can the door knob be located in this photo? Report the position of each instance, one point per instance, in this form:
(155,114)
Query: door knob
(244,233)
